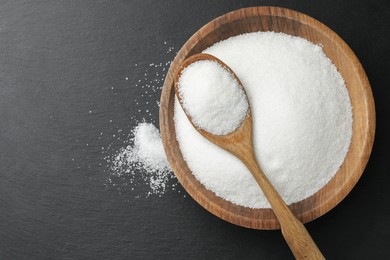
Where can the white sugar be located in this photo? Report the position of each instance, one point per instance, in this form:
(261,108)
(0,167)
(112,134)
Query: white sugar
(212,97)
(149,148)
(145,154)
(302,120)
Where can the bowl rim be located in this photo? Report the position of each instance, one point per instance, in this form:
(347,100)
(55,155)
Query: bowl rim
(214,206)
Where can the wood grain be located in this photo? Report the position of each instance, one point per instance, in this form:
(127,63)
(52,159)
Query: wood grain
(279,20)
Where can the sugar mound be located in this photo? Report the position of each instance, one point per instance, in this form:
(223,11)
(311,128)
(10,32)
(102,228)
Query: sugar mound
(148,148)
(212,97)
(146,155)
(302,120)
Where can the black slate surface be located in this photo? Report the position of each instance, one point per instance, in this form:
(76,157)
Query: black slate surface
(64,94)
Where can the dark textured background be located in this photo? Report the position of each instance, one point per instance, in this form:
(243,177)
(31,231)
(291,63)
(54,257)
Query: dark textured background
(58,61)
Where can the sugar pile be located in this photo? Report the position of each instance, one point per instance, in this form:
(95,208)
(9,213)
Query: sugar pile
(212,97)
(302,120)
(148,148)
(145,154)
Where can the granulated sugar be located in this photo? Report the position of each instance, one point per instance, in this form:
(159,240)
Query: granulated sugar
(148,148)
(302,120)
(145,156)
(212,97)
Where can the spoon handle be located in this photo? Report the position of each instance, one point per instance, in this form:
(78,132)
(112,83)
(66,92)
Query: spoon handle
(294,232)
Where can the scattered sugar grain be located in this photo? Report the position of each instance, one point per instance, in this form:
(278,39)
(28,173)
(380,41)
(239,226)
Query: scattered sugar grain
(141,161)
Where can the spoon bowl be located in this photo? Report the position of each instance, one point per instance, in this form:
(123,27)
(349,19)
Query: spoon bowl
(233,138)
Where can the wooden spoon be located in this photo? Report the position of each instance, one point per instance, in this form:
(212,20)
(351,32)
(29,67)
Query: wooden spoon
(239,143)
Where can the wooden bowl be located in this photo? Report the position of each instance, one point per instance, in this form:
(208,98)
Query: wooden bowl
(294,23)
